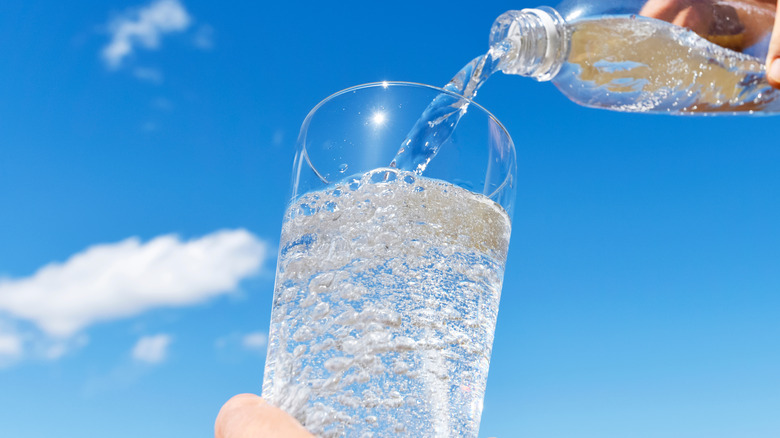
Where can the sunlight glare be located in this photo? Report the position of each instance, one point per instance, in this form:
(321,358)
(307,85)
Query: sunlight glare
(379,118)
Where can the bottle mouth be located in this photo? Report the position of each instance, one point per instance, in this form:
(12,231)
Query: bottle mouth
(532,42)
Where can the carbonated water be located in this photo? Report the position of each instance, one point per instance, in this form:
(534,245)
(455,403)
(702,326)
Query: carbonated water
(385,304)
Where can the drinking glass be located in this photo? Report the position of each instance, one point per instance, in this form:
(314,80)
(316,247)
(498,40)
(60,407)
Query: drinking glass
(388,280)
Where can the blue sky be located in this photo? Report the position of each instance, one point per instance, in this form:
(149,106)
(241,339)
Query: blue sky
(145,153)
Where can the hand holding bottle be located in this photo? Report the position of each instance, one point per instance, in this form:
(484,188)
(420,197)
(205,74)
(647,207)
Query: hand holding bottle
(663,56)
(736,24)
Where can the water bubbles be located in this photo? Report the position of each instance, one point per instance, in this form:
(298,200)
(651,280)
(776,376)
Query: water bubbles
(324,345)
(343,167)
(385,317)
(371,327)
(368,302)
(287,294)
(306,210)
(351,292)
(383,176)
(351,345)
(348,399)
(400,367)
(321,282)
(394,400)
(310,300)
(337,364)
(303,334)
(321,310)
(404,343)
(370,398)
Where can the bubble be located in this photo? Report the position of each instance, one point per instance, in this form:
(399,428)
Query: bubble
(336,364)
(320,310)
(303,334)
(383,176)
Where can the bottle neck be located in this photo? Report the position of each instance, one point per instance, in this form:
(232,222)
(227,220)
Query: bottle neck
(531,42)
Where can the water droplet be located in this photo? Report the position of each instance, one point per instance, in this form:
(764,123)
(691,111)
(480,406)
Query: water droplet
(343,167)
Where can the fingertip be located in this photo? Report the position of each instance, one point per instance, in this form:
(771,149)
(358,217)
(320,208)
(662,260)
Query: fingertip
(773,73)
(232,410)
(244,399)
(249,416)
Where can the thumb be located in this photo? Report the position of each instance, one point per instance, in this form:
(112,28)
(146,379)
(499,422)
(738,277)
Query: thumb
(249,416)
(773,56)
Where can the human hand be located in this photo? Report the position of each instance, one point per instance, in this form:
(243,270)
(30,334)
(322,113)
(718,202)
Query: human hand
(773,58)
(249,416)
(734,24)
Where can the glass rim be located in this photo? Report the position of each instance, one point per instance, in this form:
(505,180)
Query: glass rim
(386,84)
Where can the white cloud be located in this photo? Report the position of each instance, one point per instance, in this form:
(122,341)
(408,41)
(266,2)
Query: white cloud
(256,341)
(143,28)
(152,349)
(10,346)
(123,279)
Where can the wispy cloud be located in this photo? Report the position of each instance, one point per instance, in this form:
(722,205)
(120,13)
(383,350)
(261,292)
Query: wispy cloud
(148,74)
(162,104)
(55,348)
(118,280)
(237,345)
(146,352)
(256,341)
(18,343)
(278,138)
(204,37)
(152,349)
(143,27)
(10,347)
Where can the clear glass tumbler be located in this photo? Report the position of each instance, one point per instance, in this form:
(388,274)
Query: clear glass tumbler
(388,281)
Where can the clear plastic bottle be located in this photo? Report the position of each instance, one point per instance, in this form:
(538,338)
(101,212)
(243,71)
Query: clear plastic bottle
(679,57)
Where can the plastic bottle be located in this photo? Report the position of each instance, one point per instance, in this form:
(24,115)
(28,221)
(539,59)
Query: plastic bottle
(679,57)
